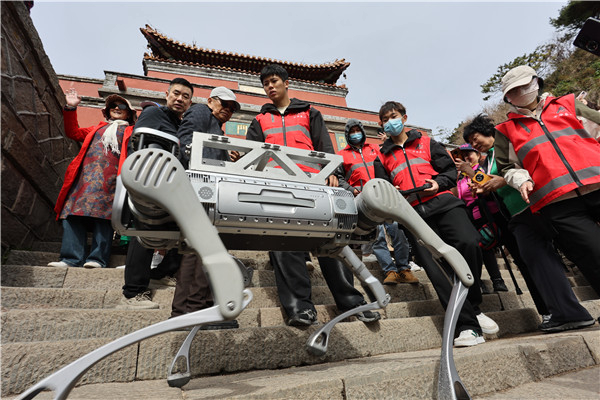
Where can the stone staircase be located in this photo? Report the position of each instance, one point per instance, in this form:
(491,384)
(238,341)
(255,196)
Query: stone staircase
(52,316)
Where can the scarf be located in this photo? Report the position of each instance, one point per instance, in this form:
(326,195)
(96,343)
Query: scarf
(109,137)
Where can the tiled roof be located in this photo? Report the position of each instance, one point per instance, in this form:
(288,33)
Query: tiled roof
(167,49)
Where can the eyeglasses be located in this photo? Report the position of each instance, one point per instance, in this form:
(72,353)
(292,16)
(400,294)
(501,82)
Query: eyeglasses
(120,106)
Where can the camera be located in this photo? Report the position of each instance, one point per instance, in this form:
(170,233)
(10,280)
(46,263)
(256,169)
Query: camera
(481,178)
(588,37)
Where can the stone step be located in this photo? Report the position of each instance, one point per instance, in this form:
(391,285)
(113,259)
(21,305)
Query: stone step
(535,367)
(42,258)
(24,363)
(29,325)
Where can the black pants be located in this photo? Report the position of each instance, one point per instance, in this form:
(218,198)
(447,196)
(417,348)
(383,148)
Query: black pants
(138,271)
(455,228)
(293,282)
(440,279)
(576,221)
(546,268)
(192,292)
(508,239)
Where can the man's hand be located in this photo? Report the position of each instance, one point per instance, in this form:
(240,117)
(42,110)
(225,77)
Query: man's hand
(332,180)
(72,98)
(525,189)
(433,189)
(234,155)
(382,136)
(355,192)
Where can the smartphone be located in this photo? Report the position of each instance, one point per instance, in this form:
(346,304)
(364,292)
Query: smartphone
(581,95)
(588,37)
(457,154)
(481,178)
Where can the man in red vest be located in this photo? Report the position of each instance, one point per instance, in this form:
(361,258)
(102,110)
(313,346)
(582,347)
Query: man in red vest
(410,160)
(543,151)
(358,170)
(294,123)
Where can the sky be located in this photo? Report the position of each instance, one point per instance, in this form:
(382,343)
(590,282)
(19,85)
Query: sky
(430,56)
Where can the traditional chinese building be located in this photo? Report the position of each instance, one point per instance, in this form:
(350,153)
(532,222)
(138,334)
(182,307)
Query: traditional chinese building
(206,69)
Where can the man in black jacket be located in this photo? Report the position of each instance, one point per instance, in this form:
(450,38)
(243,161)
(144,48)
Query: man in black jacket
(138,271)
(192,292)
(294,123)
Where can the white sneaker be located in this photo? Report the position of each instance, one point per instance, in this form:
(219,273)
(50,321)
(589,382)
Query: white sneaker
(413,266)
(156,259)
(92,264)
(167,281)
(369,258)
(140,302)
(468,338)
(487,324)
(58,264)
(120,267)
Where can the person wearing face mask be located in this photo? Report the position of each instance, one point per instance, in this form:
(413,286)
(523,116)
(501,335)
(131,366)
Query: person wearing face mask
(358,170)
(86,197)
(410,160)
(544,152)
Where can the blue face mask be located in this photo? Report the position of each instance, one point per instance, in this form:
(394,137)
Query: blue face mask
(355,138)
(394,127)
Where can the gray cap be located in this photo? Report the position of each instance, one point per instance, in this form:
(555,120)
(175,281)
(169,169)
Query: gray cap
(222,93)
(516,77)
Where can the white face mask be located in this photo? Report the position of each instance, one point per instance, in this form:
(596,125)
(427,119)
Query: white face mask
(522,96)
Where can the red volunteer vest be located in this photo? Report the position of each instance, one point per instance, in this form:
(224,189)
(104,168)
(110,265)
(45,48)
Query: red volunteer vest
(358,166)
(558,152)
(408,169)
(291,130)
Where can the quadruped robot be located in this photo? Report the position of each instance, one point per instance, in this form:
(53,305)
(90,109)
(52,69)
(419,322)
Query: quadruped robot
(264,201)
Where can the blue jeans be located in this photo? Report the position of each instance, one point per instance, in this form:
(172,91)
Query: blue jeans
(72,250)
(401,249)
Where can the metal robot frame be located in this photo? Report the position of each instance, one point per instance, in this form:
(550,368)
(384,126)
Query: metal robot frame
(217,205)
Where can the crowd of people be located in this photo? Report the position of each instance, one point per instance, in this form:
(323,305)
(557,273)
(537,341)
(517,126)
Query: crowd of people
(529,185)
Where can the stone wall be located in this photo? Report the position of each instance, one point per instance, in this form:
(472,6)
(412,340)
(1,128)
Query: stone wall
(35,152)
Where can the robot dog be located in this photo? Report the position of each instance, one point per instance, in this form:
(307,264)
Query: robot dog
(264,201)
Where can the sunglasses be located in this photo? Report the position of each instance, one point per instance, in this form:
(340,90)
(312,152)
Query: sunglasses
(120,106)
(230,105)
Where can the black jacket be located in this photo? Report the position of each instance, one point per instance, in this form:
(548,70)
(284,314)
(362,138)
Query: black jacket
(199,118)
(160,118)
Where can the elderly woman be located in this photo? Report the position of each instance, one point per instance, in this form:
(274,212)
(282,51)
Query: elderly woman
(85,199)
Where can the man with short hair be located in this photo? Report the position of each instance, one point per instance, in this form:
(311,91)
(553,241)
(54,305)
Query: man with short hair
(294,123)
(192,292)
(138,271)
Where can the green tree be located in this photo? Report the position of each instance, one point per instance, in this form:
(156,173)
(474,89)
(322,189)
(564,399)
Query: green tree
(572,17)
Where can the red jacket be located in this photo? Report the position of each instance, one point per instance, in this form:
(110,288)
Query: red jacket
(85,135)
(557,151)
(358,164)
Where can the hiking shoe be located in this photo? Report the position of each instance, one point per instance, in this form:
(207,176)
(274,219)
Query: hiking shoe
(487,324)
(303,318)
(554,326)
(233,324)
(413,266)
(140,302)
(391,278)
(406,276)
(368,316)
(92,264)
(546,318)
(58,264)
(167,281)
(499,285)
(468,338)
